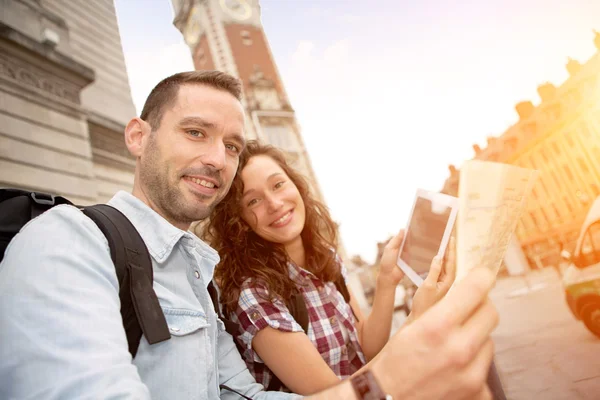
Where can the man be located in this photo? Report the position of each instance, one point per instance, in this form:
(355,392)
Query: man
(61,333)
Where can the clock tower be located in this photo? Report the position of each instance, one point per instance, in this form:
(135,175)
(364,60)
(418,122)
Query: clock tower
(227,35)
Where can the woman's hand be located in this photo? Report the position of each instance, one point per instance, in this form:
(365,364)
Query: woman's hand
(390,274)
(437,283)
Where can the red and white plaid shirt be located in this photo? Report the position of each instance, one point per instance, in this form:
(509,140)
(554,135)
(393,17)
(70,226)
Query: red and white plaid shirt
(327,311)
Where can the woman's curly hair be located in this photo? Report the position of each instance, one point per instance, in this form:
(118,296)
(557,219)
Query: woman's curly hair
(245,255)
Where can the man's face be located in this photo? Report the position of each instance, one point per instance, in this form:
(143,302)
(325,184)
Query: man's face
(187,165)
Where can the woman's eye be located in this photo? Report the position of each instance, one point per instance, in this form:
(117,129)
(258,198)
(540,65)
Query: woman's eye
(252,202)
(279,184)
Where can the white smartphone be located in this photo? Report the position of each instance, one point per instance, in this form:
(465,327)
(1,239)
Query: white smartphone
(427,234)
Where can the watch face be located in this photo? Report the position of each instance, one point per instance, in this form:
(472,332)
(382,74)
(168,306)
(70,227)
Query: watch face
(238,9)
(192,31)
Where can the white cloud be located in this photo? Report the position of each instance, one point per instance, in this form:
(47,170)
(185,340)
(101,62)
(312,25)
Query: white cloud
(350,18)
(149,66)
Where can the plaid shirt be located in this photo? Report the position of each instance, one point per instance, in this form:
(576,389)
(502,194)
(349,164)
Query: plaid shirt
(327,310)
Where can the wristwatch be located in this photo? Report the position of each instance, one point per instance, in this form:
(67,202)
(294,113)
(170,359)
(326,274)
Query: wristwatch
(366,387)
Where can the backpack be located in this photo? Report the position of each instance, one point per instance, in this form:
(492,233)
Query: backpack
(140,309)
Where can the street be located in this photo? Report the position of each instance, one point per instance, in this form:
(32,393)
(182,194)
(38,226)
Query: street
(542,351)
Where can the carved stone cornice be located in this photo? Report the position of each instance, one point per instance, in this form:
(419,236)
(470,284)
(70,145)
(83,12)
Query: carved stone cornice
(30,75)
(40,74)
(45,54)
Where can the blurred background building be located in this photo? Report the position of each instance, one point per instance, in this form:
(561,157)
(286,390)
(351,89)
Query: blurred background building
(64,99)
(560,137)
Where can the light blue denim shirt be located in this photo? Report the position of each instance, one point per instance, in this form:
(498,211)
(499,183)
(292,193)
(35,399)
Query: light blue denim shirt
(61,334)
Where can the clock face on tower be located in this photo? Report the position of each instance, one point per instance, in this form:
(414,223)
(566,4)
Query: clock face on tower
(237,9)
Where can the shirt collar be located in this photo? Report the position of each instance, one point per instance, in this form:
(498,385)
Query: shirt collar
(159,235)
(298,274)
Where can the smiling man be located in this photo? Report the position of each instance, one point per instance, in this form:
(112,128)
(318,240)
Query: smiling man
(61,331)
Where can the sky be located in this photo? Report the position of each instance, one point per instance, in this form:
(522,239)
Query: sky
(388,93)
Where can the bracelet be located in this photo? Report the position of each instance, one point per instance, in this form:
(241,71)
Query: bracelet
(366,387)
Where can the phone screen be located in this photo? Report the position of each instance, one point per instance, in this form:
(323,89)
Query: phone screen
(424,234)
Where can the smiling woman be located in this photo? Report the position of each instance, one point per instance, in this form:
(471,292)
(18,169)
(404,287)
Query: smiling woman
(276,244)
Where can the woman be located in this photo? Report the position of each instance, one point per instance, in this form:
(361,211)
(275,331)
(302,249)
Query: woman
(276,240)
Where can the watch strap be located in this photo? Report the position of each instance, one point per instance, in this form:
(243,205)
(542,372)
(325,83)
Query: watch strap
(366,387)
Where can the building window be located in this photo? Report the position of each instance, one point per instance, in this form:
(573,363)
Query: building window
(556,148)
(283,137)
(544,187)
(568,172)
(546,219)
(556,212)
(533,219)
(532,161)
(545,154)
(583,165)
(246,39)
(569,137)
(556,180)
(568,203)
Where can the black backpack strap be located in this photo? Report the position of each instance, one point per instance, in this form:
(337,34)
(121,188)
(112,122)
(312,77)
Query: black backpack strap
(298,309)
(140,309)
(18,207)
(340,285)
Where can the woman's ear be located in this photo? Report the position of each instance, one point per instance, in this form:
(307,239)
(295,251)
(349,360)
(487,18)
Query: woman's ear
(135,133)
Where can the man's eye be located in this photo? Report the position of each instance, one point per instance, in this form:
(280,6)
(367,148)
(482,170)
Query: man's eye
(195,133)
(232,147)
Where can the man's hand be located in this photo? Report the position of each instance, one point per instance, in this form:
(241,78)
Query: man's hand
(436,285)
(445,354)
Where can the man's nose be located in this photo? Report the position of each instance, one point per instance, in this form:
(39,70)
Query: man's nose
(215,156)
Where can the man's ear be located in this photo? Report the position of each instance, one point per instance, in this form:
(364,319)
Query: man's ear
(136,132)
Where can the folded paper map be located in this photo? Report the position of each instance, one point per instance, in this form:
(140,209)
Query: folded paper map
(492,197)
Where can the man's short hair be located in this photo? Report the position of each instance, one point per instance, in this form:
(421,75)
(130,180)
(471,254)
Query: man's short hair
(165,93)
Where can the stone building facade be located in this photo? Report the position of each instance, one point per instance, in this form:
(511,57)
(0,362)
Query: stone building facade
(64,99)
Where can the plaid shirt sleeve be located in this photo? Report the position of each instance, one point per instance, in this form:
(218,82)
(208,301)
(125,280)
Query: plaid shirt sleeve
(256,312)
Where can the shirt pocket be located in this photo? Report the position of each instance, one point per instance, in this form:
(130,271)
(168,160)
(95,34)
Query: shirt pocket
(184,322)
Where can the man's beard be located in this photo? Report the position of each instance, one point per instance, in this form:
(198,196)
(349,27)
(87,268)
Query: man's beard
(167,197)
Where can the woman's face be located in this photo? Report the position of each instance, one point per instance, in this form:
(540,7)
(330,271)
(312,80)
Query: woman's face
(271,203)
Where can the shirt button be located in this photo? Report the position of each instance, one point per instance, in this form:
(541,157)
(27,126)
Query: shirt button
(255,315)
(344,351)
(332,320)
(197,274)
